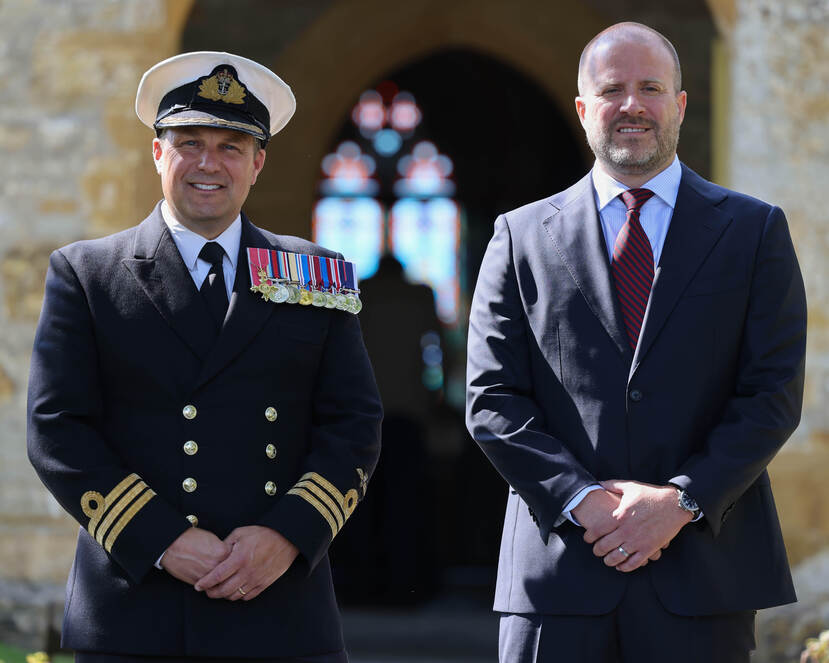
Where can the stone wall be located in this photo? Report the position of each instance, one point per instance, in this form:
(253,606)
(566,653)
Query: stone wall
(75,159)
(779,151)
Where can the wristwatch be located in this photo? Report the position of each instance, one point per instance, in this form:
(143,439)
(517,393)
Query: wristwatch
(687,503)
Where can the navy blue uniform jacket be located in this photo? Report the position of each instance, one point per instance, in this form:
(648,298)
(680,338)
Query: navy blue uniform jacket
(558,401)
(123,346)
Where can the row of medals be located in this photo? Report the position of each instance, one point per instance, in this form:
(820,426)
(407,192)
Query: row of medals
(281,292)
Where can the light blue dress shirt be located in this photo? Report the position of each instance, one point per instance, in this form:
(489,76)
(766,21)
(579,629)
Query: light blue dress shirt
(655,217)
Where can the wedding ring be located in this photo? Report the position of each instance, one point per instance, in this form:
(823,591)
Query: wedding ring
(620,549)
(242,591)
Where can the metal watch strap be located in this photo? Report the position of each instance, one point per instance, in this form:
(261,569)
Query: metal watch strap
(686,502)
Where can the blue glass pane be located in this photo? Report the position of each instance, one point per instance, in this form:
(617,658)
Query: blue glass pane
(387,142)
(352,226)
(424,236)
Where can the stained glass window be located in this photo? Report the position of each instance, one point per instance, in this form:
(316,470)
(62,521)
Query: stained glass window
(352,226)
(418,220)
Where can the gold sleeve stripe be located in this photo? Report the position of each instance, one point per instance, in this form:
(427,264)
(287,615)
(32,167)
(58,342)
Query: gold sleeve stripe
(117,508)
(335,509)
(129,514)
(108,501)
(319,506)
(324,483)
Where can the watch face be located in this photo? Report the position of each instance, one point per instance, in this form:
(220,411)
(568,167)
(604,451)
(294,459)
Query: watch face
(687,502)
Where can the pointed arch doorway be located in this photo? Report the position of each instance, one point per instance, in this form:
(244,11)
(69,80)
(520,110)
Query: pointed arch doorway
(432,519)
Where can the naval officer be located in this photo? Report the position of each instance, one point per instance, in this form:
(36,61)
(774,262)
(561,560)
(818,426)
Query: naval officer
(210,440)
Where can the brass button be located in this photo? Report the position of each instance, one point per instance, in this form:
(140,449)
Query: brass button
(270,488)
(193,520)
(189,484)
(189,411)
(270,451)
(270,414)
(191,448)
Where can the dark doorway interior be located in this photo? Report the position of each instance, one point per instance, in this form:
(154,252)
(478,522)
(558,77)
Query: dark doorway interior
(508,139)
(432,521)
(506,136)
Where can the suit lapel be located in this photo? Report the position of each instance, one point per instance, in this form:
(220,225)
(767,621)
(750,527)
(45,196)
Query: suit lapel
(164,278)
(696,226)
(578,237)
(246,313)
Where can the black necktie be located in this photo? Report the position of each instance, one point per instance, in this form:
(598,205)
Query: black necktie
(213,288)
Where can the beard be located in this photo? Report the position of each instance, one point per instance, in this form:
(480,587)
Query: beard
(635,159)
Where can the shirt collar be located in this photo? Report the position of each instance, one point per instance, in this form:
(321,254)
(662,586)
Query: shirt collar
(190,244)
(665,185)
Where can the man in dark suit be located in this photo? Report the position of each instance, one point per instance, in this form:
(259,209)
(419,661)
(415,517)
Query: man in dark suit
(636,358)
(210,440)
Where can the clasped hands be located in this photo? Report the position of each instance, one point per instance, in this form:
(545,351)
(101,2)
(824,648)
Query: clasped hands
(242,566)
(640,519)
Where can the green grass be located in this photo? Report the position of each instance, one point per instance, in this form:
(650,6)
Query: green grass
(14,655)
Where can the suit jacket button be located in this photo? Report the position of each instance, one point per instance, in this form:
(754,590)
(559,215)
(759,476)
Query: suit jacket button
(191,448)
(189,485)
(270,414)
(193,520)
(270,451)
(189,411)
(635,395)
(270,488)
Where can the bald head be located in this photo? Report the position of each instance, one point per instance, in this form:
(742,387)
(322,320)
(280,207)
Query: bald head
(618,34)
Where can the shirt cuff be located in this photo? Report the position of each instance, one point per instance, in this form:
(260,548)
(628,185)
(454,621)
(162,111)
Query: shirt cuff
(573,503)
(158,561)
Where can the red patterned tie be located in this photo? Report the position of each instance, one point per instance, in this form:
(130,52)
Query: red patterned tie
(633,264)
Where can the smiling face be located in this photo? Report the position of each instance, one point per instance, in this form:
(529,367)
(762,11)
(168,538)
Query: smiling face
(629,107)
(206,175)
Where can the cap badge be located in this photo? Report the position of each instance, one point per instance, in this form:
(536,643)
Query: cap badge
(222,87)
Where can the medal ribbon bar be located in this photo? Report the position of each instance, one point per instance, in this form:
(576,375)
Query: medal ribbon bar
(297,278)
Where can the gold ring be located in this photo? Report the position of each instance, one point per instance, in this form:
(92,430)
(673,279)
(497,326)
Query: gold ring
(242,591)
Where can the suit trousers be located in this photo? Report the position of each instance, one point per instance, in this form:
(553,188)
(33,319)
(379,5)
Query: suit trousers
(98,657)
(639,630)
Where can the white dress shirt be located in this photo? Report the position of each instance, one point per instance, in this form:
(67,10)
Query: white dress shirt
(655,217)
(189,245)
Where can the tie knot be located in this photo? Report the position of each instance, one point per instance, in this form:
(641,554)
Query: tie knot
(213,253)
(635,198)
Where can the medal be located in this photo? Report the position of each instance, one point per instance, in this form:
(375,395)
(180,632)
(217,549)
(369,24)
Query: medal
(353,305)
(293,294)
(279,293)
(282,277)
(305,297)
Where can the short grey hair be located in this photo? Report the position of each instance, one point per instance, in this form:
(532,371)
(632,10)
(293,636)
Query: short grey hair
(620,31)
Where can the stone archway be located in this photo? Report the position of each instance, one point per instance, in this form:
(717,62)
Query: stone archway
(348,46)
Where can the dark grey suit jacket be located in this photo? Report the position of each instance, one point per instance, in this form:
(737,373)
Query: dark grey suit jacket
(557,400)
